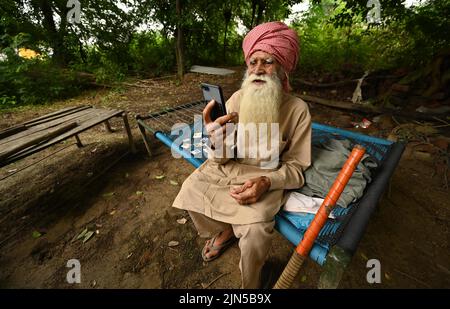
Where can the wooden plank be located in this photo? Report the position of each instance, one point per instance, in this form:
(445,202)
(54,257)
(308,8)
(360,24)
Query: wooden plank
(58,112)
(81,128)
(48,119)
(12,130)
(36,140)
(78,117)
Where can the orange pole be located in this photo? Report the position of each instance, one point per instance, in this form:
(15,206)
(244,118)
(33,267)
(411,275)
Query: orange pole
(329,203)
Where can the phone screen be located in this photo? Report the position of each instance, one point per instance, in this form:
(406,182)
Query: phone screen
(214,92)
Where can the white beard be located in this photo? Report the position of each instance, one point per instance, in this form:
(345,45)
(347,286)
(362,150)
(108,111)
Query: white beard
(258,139)
(260,103)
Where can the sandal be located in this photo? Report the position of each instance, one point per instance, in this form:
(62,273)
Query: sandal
(220,248)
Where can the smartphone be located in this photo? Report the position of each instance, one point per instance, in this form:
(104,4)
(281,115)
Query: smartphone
(214,92)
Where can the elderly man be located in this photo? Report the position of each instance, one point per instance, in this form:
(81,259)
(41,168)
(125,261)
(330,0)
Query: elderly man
(238,196)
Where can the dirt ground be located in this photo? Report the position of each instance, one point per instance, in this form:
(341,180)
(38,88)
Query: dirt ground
(115,194)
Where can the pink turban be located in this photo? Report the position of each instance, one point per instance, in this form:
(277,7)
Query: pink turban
(275,38)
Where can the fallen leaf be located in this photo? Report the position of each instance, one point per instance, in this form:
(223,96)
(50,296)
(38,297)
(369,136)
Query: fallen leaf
(387,276)
(112,213)
(159,177)
(303,278)
(81,235)
(12,171)
(173,243)
(36,234)
(427,130)
(173,183)
(109,194)
(139,192)
(129,255)
(182,221)
(94,150)
(88,236)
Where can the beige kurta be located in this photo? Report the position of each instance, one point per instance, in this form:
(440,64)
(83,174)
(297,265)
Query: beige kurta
(207,189)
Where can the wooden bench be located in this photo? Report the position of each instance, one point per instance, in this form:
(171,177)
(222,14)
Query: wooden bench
(32,136)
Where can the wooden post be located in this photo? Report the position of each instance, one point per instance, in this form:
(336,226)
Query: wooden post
(130,136)
(108,127)
(79,143)
(145,138)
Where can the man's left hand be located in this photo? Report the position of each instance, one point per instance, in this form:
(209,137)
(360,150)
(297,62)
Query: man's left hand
(251,190)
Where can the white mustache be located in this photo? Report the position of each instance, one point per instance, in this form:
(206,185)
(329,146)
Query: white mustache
(264,77)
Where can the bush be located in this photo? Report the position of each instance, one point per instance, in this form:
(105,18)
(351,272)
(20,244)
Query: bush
(33,81)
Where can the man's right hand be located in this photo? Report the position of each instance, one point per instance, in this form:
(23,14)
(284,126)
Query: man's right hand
(217,128)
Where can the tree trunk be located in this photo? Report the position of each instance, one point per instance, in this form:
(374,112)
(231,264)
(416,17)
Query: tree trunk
(261,8)
(56,37)
(179,43)
(254,3)
(227,16)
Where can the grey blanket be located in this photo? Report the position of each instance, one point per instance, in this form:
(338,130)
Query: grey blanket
(328,158)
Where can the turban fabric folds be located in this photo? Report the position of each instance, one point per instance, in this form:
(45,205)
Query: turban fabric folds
(275,38)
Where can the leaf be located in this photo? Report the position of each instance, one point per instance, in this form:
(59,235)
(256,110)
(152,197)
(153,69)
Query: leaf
(173,243)
(173,183)
(387,276)
(88,236)
(159,177)
(139,192)
(427,130)
(112,213)
(182,221)
(36,234)
(109,194)
(303,278)
(81,235)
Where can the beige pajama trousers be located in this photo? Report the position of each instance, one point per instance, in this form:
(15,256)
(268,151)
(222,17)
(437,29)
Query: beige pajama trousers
(254,242)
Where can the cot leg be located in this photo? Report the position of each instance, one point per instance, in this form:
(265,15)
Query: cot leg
(334,267)
(130,136)
(145,138)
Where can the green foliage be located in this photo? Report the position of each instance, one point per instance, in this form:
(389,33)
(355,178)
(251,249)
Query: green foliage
(150,52)
(326,48)
(32,81)
(339,40)
(335,39)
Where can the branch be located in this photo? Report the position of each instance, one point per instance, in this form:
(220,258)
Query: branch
(366,108)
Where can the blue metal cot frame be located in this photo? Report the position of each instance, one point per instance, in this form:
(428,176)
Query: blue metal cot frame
(336,255)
